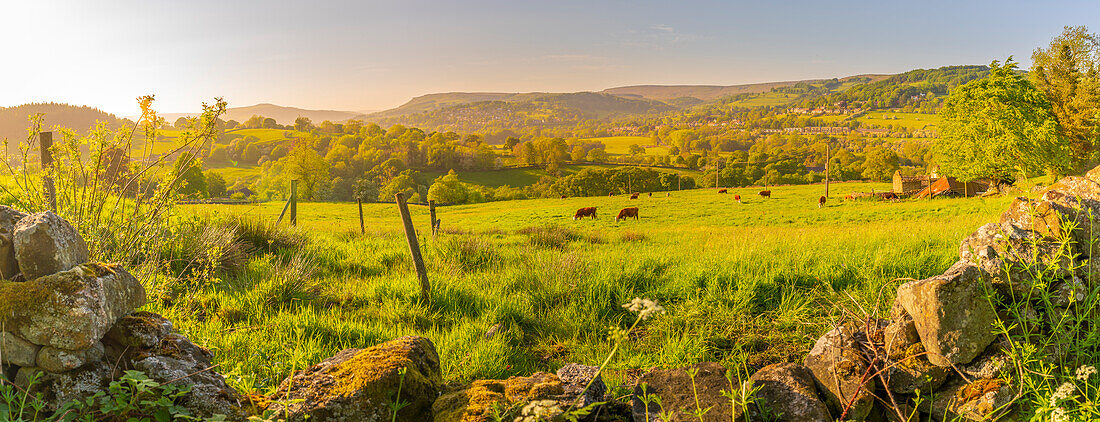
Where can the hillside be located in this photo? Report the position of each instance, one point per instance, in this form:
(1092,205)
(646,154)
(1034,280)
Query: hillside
(529,110)
(707,93)
(14,122)
(283,115)
(432,102)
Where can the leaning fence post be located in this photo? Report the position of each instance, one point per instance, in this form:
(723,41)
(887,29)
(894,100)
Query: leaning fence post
(362,227)
(45,140)
(431,213)
(294,202)
(414,247)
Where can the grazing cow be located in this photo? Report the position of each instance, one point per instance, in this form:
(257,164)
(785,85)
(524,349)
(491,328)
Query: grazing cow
(634,196)
(563,197)
(821,201)
(668,194)
(610,194)
(585,212)
(737,198)
(849,197)
(627,213)
(889,195)
(765,194)
(721,191)
(651,194)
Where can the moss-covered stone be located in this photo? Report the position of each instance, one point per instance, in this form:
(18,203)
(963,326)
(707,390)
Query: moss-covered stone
(47,244)
(480,400)
(358,384)
(72,309)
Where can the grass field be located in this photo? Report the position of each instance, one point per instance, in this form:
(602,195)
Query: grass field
(744,284)
(911,121)
(767,99)
(621,144)
(528,176)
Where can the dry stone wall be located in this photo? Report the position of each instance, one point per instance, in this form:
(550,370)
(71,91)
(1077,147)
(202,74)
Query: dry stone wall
(70,323)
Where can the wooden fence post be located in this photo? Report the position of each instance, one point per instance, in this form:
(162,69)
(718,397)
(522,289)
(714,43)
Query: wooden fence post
(827,148)
(414,247)
(45,140)
(362,227)
(285,207)
(431,213)
(294,202)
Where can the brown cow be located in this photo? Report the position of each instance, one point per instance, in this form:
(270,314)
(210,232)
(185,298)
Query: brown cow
(651,194)
(634,195)
(721,191)
(610,194)
(585,212)
(563,197)
(627,213)
(766,194)
(737,198)
(821,201)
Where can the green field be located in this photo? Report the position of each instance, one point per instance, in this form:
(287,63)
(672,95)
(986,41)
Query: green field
(911,121)
(621,144)
(744,284)
(766,99)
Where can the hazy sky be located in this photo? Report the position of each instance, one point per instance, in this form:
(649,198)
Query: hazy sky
(369,55)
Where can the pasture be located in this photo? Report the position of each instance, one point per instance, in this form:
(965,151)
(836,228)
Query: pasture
(911,121)
(620,145)
(744,284)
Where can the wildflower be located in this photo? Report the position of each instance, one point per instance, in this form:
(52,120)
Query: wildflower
(644,307)
(1063,392)
(1085,371)
(1059,415)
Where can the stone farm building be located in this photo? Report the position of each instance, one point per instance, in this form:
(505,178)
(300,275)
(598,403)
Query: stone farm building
(918,185)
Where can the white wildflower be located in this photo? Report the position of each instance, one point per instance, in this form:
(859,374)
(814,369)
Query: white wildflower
(1085,371)
(1059,415)
(1063,392)
(644,307)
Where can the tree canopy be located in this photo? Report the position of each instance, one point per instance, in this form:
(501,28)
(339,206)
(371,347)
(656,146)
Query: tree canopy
(1067,73)
(1000,126)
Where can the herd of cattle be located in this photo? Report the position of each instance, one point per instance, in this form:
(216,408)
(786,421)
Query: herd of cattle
(633,211)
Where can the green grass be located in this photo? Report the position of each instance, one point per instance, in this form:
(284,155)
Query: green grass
(526,176)
(911,121)
(751,282)
(621,144)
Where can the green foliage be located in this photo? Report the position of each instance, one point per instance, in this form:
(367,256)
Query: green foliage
(448,190)
(1068,74)
(188,177)
(307,166)
(1000,126)
(133,397)
(215,185)
(880,164)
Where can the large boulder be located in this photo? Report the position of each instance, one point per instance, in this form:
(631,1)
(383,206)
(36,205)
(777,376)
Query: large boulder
(839,369)
(679,395)
(540,396)
(9,266)
(72,309)
(60,360)
(46,244)
(951,314)
(789,393)
(979,400)
(358,384)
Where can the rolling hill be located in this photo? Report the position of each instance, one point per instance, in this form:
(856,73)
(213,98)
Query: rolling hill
(14,122)
(283,115)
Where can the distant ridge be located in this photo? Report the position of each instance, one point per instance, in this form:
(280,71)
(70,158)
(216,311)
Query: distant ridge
(708,93)
(674,95)
(282,114)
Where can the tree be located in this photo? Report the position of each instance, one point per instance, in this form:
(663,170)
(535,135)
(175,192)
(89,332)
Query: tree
(187,174)
(254,122)
(1067,73)
(403,184)
(181,123)
(306,165)
(269,123)
(215,185)
(511,142)
(636,149)
(880,164)
(597,155)
(303,124)
(448,189)
(999,126)
(578,153)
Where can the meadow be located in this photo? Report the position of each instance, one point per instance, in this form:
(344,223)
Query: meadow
(519,286)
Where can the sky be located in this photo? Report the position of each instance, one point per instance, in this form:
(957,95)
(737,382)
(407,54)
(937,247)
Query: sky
(361,55)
